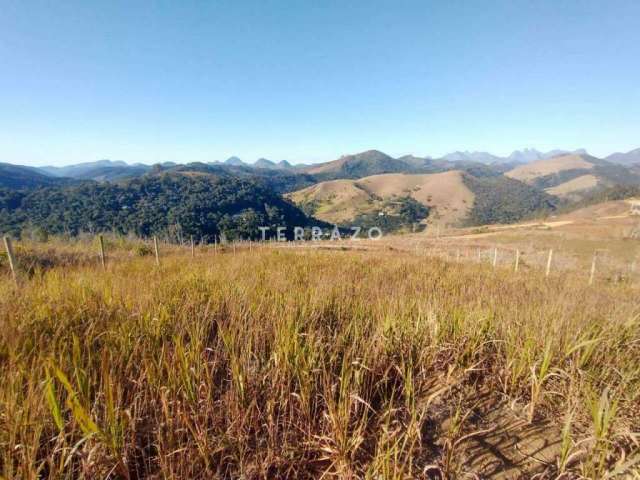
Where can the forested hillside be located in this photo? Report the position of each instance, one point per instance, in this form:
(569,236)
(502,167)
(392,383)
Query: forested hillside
(505,200)
(164,204)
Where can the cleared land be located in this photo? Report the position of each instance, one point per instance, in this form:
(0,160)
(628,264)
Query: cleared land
(583,182)
(342,200)
(541,168)
(337,200)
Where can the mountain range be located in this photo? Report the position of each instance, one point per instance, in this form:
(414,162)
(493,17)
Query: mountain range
(360,164)
(462,188)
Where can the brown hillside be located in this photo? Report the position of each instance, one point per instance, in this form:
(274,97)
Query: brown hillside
(326,167)
(341,200)
(335,201)
(541,168)
(575,185)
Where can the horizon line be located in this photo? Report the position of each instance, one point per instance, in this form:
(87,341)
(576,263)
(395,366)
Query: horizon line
(432,157)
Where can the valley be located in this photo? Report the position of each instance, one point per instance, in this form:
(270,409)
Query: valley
(405,194)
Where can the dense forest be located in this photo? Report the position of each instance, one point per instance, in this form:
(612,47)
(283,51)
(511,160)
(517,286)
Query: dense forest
(172,205)
(504,200)
(600,195)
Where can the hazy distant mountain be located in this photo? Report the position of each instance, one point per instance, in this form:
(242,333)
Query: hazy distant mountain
(271,165)
(234,161)
(629,158)
(413,160)
(525,155)
(481,157)
(557,153)
(18,176)
(81,169)
(264,163)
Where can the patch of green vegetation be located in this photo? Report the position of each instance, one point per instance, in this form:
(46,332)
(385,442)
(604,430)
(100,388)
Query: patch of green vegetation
(555,179)
(170,205)
(393,215)
(506,200)
(601,195)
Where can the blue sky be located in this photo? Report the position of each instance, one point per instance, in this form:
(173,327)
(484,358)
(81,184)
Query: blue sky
(309,81)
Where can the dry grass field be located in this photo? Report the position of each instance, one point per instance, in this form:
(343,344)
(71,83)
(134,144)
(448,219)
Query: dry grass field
(609,231)
(312,363)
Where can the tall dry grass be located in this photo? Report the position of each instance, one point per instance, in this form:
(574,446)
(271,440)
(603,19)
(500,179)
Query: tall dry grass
(285,364)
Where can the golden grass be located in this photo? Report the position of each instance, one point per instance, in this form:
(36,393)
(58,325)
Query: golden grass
(301,364)
(342,200)
(578,184)
(338,201)
(541,168)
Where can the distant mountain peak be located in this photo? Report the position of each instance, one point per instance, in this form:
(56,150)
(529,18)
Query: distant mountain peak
(264,163)
(467,156)
(631,157)
(525,155)
(234,161)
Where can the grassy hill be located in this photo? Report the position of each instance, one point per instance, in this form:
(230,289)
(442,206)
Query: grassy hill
(452,197)
(573,176)
(341,201)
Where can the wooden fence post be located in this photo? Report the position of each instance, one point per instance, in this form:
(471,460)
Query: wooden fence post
(193,248)
(155,247)
(12,259)
(495,257)
(515,269)
(593,269)
(549,260)
(102,257)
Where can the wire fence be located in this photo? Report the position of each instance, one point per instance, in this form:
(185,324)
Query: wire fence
(595,268)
